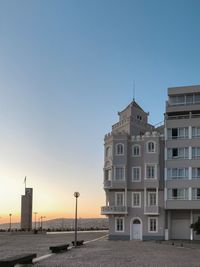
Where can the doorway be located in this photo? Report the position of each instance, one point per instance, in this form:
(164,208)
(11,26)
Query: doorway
(136,229)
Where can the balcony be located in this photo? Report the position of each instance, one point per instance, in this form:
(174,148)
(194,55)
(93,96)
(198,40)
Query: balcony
(114,184)
(110,210)
(151,210)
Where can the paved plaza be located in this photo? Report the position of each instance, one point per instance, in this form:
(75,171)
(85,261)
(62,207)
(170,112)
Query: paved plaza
(102,253)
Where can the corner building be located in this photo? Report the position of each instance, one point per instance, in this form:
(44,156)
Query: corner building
(152,175)
(182,161)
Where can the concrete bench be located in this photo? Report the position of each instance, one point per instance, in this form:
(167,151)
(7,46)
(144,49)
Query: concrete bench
(78,243)
(18,259)
(59,248)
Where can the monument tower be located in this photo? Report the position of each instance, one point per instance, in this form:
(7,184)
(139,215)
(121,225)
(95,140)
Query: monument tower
(26,209)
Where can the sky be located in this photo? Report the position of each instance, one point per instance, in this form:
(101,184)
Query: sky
(66,68)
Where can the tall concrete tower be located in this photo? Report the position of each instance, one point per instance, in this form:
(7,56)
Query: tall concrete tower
(26,209)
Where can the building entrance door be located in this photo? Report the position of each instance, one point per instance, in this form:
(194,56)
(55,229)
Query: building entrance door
(137,234)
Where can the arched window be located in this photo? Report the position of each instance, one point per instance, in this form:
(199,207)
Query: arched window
(119,149)
(108,151)
(151,147)
(136,150)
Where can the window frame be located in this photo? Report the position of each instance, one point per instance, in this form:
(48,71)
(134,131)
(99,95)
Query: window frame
(116,149)
(195,171)
(196,152)
(149,198)
(140,199)
(155,171)
(136,167)
(123,199)
(149,224)
(115,172)
(116,224)
(147,145)
(136,146)
(195,133)
(181,193)
(170,175)
(179,150)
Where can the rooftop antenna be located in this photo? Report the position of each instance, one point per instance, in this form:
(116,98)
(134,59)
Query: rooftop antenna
(133,90)
(25,182)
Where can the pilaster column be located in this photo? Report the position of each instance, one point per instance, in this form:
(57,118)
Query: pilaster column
(190,132)
(190,152)
(145,195)
(191,221)
(157,196)
(190,173)
(190,193)
(165,132)
(165,174)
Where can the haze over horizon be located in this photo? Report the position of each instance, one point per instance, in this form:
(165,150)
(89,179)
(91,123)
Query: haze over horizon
(66,69)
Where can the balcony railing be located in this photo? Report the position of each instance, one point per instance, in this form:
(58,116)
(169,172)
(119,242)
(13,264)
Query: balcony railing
(106,210)
(117,184)
(151,210)
(178,198)
(177,178)
(178,117)
(195,197)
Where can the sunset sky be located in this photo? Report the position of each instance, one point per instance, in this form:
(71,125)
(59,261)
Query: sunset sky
(66,68)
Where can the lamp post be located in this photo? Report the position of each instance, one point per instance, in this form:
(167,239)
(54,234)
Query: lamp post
(10,221)
(42,217)
(76,195)
(35,219)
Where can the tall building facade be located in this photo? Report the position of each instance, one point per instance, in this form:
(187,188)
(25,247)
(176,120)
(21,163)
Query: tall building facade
(26,209)
(152,174)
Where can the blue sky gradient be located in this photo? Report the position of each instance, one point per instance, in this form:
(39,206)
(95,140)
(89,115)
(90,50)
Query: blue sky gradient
(66,68)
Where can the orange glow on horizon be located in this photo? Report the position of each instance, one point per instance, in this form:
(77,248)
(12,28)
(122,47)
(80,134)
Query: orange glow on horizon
(15,218)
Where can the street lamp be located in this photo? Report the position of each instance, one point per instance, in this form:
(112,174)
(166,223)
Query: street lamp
(76,195)
(10,221)
(42,217)
(35,218)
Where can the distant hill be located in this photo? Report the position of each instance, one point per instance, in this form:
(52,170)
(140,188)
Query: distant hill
(63,224)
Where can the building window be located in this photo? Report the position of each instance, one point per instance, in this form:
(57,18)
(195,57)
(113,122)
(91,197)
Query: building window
(195,193)
(177,133)
(151,147)
(119,149)
(178,153)
(108,152)
(195,132)
(177,173)
(195,173)
(119,224)
(152,199)
(196,152)
(177,194)
(177,100)
(153,225)
(136,199)
(119,173)
(136,174)
(119,199)
(196,98)
(150,171)
(187,99)
(136,150)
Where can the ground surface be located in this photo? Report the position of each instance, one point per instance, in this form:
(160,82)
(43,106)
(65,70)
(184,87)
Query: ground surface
(103,253)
